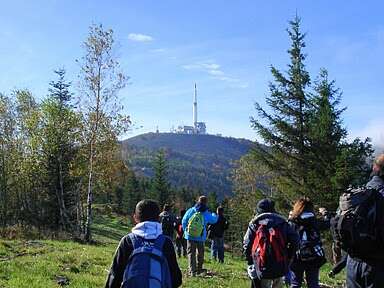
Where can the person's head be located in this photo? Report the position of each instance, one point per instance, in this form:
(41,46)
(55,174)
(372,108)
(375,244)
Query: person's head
(203,200)
(265,206)
(167,207)
(302,205)
(147,210)
(378,166)
(220,210)
(182,212)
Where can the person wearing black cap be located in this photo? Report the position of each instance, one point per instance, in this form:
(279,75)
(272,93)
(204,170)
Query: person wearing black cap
(146,231)
(269,245)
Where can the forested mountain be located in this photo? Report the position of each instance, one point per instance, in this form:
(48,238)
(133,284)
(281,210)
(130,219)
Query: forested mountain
(198,161)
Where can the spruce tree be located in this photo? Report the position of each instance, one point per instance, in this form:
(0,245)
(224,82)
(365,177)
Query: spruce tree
(284,130)
(161,187)
(326,134)
(132,193)
(59,128)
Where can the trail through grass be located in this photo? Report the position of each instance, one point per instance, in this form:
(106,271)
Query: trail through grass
(42,263)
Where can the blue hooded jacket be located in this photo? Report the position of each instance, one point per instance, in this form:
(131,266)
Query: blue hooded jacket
(209,218)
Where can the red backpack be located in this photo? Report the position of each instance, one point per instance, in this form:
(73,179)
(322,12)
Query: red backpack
(269,251)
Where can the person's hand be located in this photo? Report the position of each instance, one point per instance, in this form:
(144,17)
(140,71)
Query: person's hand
(252,272)
(323,211)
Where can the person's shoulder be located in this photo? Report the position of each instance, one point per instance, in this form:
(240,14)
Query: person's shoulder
(191,210)
(167,244)
(126,242)
(167,239)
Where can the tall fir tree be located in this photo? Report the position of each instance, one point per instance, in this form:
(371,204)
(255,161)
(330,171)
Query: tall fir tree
(132,193)
(60,126)
(161,186)
(326,134)
(284,130)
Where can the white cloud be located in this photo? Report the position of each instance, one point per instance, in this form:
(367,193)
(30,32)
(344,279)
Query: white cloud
(210,66)
(374,130)
(191,66)
(137,37)
(214,70)
(159,50)
(203,66)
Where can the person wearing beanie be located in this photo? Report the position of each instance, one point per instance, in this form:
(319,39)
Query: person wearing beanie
(265,206)
(266,222)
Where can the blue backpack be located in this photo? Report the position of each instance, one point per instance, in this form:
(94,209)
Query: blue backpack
(147,266)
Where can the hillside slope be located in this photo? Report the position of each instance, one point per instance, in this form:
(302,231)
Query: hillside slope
(200,161)
(43,263)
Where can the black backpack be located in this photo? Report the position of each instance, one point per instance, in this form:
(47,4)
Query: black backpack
(310,248)
(355,225)
(167,224)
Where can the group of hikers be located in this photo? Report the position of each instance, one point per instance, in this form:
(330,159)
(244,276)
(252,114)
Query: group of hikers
(278,251)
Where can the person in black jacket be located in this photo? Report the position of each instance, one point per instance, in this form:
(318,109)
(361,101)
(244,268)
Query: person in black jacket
(148,227)
(168,221)
(310,255)
(216,234)
(181,243)
(367,271)
(266,215)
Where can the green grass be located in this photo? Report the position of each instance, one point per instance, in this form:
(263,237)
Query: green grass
(39,263)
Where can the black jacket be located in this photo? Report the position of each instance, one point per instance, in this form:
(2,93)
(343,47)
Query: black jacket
(123,252)
(169,224)
(217,230)
(377,183)
(308,221)
(272,220)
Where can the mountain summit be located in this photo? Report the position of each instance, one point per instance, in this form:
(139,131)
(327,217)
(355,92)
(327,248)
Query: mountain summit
(202,162)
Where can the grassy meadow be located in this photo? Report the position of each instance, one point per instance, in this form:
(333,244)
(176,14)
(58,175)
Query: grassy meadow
(44,263)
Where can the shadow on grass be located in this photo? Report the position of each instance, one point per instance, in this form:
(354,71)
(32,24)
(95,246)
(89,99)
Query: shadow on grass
(110,228)
(110,235)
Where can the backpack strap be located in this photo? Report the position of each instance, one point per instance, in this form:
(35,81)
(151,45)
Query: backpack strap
(158,245)
(137,241)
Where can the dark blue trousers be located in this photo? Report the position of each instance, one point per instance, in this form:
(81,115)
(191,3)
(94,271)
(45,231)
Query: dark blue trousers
(311,277)
(217,248)
(363,275)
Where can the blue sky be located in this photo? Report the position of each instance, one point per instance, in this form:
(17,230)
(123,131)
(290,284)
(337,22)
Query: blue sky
(226,47)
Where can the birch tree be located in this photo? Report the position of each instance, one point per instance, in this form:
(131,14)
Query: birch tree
(100,81)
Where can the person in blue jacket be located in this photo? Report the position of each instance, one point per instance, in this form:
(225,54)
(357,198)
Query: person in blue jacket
(197,243)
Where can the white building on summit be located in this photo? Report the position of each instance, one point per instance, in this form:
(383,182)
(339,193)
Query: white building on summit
(198,127)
